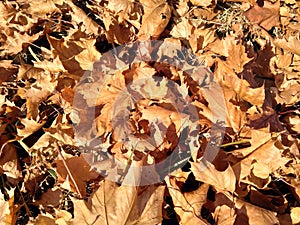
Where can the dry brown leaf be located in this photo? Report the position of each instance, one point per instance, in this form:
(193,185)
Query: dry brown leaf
(80,17)
(251,214)
(226,76)
(120,5)
(77,172)
(266,16)
(234,51)
(61,217)
(7,209)
(7,70)
(295,215)
(187,205)
(114,204)
(14,41)
(42,7)
(156,17)
(235,117)
(245,213)
(207,173)
(10,163)
(31,126)
(267,158)
(118,32)
(49,199)
(45,219)
(224,215)
(112,89)
(203,3)
(290,44)
(76,56)
(182,30)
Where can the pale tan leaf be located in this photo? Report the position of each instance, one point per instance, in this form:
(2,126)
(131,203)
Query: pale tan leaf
(156,17)
(295,215)
(267,157)
(182,30)
(234,51)
(30,126)
(203,3)
(207,173)
(80,17)
(120,5)
(289,44)
(224,215)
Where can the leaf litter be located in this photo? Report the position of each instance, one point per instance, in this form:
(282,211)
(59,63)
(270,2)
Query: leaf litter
(47,176)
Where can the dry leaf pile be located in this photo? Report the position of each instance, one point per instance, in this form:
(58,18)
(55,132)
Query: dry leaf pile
(48,176)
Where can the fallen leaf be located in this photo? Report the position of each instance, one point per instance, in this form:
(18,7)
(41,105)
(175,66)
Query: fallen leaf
(187,205)
(156,17)
(77,171)
(266,16)
(139,205)
(207,173)
(255,96)
(204,3)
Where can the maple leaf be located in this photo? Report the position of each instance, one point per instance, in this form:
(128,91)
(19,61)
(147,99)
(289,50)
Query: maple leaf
(267,157)
(120,5)
(80,17)
(182,30)
(235,52)
(289,44)
(8,209)
(139,205)
(7,70)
